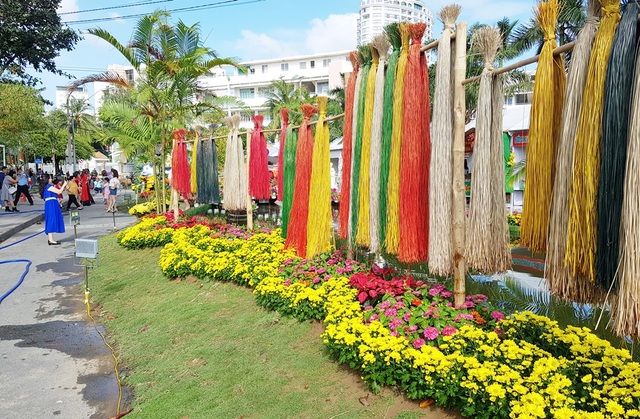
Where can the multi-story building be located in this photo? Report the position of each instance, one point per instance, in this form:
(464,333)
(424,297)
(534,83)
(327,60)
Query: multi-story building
(127,72)
(376,14)
(62,95)
(317,73)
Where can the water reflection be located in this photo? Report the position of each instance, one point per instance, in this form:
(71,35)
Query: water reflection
(518,291)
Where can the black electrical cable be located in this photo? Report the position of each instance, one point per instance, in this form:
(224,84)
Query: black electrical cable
(225,3)
(122,6)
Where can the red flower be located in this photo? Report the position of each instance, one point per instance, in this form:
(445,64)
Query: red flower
(416,302)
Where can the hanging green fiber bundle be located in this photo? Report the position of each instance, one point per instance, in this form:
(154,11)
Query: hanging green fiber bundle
(290,150)
(205,169)
(365,68)
(615,129)
(393,34)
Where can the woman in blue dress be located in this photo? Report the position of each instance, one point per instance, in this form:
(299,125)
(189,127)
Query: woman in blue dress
(53,220)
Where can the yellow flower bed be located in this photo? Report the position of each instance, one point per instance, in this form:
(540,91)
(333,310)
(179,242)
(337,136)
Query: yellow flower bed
(142,209)
(149,232)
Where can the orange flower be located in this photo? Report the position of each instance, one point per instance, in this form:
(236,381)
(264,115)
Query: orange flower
(416,302)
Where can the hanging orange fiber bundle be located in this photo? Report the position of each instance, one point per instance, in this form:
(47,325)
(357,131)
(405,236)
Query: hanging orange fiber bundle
(259,186)
(347,144)
(320,222)
(297,229)
(582,234)
(362,235)
(284,116)
(180,176)
(544,131)
(415,155)
(392,238)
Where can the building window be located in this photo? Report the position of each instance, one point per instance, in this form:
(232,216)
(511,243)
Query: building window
(303,65)
(284,67)
(247,93)
(245,117)
(322,88)
(312,64)
(265,68)
(523,98)
(325,62)
(129,75)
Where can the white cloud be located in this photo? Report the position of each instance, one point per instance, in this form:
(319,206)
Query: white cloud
(69,6)
(335,33)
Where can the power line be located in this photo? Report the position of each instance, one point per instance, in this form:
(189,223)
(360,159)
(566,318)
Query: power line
(225,3)
(143,3)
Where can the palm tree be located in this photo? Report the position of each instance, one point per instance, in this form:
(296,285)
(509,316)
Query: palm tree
(170,59)
(283,94)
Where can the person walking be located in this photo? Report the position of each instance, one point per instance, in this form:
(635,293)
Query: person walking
(3,173)
(72,191)
(6,193)
(87,199)
(23,188)
(114,184)
(53,220)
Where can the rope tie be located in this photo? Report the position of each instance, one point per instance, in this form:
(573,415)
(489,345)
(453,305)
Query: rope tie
(612,10)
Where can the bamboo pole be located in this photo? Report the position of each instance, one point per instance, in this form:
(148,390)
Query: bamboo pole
(459,199)
(562,48)
(435,44)
(249,201)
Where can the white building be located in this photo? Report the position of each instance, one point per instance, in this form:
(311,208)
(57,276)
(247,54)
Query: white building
(318,73)
(376,14)
(62,94)
(127,72)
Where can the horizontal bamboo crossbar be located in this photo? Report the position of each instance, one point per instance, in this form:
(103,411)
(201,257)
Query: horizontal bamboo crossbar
(563,48)
(435,44)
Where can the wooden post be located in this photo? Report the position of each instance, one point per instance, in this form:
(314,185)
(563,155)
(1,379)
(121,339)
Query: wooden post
(459,199)
(249,200)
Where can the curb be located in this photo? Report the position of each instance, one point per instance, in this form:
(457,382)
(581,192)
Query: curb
(19,227)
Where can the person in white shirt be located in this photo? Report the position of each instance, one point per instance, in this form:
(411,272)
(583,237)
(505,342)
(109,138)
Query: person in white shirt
(114,184)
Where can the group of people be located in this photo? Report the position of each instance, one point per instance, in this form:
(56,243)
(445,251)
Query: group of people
(15,183)
(78,185)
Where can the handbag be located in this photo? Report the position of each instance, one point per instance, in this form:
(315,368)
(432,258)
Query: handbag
(12,190)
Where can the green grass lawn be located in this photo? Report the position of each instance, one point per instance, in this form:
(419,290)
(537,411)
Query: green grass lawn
(194,349)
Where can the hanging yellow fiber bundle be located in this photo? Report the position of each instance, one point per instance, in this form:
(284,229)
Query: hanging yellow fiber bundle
(582,234)
(362,235)
(392,241)
(558,277)
(544,130)
(319,222)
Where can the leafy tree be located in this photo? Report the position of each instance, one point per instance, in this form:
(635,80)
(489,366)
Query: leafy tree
(21,113)
(170,59)
(31,34)
(284,94)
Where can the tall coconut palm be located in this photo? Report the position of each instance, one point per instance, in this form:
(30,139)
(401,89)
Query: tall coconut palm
(170,59)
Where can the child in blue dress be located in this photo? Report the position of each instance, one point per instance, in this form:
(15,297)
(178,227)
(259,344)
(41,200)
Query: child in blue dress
(53,220)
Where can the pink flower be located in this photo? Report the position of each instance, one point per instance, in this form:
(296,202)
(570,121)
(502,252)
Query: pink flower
(431,333)
(287,282)
(497,315)
(448,330)
(321,271)
(406,316)
(394,333)
(446,294)
(413,329)
(390,312)
(316,280)
(418,343)
(434,291)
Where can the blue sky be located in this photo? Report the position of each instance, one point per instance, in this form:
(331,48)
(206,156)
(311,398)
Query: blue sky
(244,29)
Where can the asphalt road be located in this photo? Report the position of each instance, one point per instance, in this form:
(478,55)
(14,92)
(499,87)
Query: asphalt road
(53,364)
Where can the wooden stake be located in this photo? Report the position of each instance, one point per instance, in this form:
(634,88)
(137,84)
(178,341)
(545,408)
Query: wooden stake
(459,199)
(249,201)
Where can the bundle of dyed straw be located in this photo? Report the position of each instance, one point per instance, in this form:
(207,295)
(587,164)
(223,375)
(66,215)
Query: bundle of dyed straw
(180,176)
(392,238)
(544,131)
(415,154)
(320,223)
(299,215)
(289,175)
(561,282)
(284,116)
(347,144)
(441,175)
(581,242)
(259,176)
(235,175)
(381,45)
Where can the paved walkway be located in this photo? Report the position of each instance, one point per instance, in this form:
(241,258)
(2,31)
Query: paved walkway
(52,362)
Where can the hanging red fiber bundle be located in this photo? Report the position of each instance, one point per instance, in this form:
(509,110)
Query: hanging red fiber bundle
(180,174)
(415,155)
(284,115)
(297,229)
(259,176)
(347,145)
